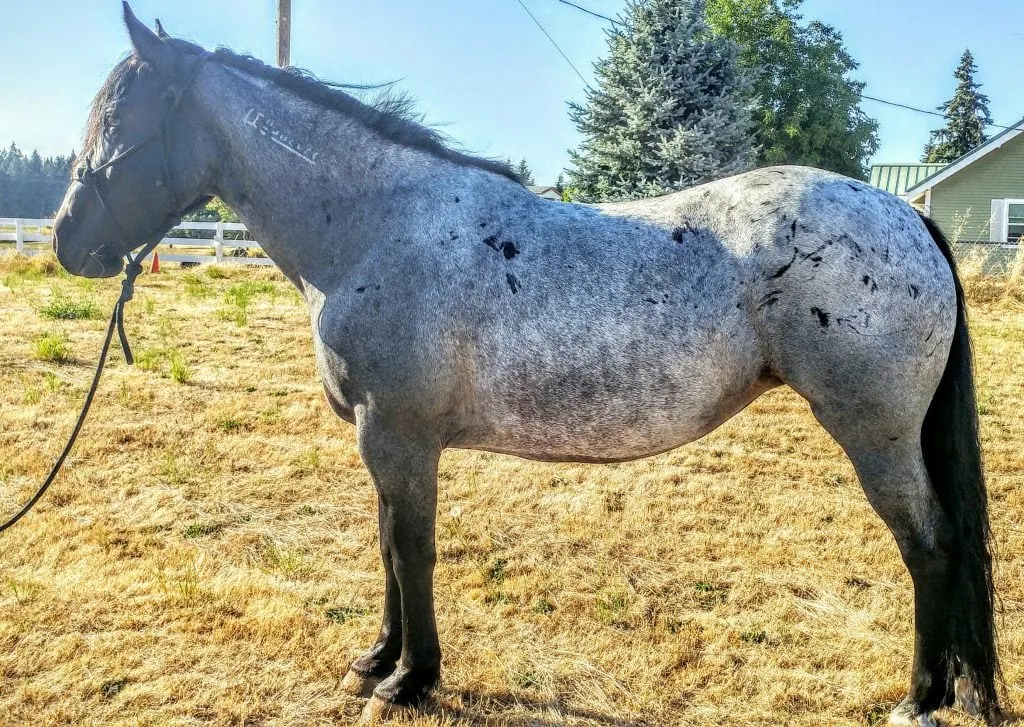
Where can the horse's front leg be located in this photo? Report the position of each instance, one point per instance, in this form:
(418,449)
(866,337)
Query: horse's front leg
(379,662)
(404,471)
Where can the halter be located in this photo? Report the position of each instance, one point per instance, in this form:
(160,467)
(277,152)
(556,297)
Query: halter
(87,178)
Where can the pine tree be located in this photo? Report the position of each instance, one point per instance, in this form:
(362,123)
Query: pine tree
(966,118)
(524,173)
(671,109)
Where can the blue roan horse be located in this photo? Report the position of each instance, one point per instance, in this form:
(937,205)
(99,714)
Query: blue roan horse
(453,308)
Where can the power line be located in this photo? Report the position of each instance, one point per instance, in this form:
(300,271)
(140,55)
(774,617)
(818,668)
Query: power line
(589,12)
(930,113)
(548,36)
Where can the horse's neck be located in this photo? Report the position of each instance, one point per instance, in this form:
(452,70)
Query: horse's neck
(301,177)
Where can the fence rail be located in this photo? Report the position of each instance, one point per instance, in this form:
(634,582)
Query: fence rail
(21,231)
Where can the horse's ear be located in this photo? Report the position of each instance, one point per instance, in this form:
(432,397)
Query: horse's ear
(160,32)
(148,46)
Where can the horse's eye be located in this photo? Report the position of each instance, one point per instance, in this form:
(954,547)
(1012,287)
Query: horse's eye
(110,122)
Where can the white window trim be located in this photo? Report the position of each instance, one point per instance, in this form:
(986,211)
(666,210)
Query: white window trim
(1006,217)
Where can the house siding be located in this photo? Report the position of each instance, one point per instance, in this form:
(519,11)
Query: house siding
(969,193)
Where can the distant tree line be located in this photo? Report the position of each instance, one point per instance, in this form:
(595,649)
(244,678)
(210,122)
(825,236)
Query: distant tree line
(31,185)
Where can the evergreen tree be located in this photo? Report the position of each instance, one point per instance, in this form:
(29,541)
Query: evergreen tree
(524,173)
(671,109)
(966,118)
(560,183)
(807,111)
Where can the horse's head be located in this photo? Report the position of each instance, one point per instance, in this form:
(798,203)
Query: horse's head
(136,174)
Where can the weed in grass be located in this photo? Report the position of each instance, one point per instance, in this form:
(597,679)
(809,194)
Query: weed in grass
(342,614)
(111,689)
(309,460)
(180,371)
(23,591)
(196,287)
(52,347)
(527,679)
(172,471)
(229,425)
(611,609)
(53,382)
(543,605)
(64,308)
(181,585)
(709,595)
(124,393)
(288,562)
(754,637)
(216,273)
(269,416)
(498,570)
(32,395)
(201,530)
(240,295)
(877,715)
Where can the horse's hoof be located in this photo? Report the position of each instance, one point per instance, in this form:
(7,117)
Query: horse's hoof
(904,716)
(358,685)
(378,710)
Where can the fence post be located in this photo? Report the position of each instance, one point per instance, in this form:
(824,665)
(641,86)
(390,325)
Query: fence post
(19,235)
(218,241)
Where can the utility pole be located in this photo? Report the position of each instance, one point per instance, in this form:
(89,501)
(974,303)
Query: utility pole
(284,33)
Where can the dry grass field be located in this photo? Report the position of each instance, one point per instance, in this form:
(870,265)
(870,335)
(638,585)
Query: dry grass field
(209,555)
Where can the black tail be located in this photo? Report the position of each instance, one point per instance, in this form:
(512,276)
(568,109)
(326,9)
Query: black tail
(952,453)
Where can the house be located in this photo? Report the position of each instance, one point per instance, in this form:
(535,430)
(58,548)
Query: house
(546,192)
(977,198)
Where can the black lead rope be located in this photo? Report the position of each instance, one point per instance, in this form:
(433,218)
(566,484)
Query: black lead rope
(132,271)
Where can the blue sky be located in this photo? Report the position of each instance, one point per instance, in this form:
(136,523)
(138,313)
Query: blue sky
(480,68)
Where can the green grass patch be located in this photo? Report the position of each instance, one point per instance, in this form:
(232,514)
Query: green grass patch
(343,614)
(52,347)
(64,308)
(241,295)
(201,530)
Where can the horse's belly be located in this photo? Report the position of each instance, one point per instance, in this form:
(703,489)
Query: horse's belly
(610,402)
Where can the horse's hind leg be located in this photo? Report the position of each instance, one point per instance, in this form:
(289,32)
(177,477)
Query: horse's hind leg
(895,480)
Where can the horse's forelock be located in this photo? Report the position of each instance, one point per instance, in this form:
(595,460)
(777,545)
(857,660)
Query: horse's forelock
(126,70)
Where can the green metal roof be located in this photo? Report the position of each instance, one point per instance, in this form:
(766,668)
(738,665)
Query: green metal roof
(898,178)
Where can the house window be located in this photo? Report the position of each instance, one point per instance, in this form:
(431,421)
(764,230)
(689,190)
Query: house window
(1014,221)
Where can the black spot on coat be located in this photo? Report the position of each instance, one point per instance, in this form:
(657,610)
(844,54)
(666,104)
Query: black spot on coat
(513,283)
(782,271)
(822,317)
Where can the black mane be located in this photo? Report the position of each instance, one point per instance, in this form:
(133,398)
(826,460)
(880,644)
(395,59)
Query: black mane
(389,116)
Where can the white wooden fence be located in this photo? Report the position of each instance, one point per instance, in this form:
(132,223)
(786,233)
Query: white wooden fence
(20,231)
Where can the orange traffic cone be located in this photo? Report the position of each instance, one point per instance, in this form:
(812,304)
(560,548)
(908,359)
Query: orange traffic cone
(155,266)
